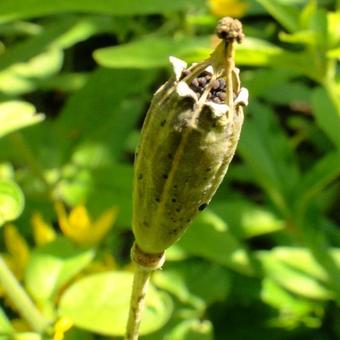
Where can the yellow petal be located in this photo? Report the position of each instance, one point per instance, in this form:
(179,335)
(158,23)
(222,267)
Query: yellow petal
(233,8)
(70,230)
(16,246)
(78,226)
(102,225)
(43,233)
(79,218)
(61,327)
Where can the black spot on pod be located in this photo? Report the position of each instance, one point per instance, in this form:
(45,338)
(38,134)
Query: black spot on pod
(163,122)
(140,176)
(202,206)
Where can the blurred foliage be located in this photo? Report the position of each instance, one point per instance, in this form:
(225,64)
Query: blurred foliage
(262,262)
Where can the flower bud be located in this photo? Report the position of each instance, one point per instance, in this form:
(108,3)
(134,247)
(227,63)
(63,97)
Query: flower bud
(187,142)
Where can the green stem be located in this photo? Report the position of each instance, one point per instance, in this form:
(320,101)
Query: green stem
(229,66)
(145,265)
(140,285)
(20,299)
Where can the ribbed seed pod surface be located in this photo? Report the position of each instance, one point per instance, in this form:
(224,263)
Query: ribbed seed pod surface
(187,142)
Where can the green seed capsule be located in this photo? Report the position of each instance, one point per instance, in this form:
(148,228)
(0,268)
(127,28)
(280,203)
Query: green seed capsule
(188,140)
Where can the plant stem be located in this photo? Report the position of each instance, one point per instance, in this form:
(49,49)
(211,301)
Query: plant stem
(140,285)
(145,265)
(229,66)
(20,299)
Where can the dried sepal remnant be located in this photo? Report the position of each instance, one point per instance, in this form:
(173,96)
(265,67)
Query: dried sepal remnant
(188,140)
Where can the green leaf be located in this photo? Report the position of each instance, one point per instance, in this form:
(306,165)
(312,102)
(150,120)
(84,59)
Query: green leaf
(100,303)
(302,260)
(333,28)
(257,52)
(53,265)
(209,237)
(286,15)
(15,115)
(64,82)
(292,279)
(191,329)
(334,53)
(58,35)
(301,37)
(188,283)
(11,201)
(19,9)
(292,309)
(138,54)
(318,177)
(247,220)
(78,334)
(269,155)
(327,113)
(5,325)
(25,336)
(101,188)
(106,109)
(22,77)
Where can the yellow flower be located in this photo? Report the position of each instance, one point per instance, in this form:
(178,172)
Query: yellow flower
(79,227)
(233,8)
(17,254)
(61,327)
(43,233)
(17,248)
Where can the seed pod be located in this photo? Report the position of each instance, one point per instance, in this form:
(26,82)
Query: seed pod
(186,145)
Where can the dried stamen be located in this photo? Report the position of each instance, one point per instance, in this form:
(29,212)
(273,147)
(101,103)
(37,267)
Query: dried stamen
(230,29)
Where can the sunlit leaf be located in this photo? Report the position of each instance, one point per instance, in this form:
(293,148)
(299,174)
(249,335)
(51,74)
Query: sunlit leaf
(333,28)
(334,53)
(186,282)
(18,9)
(327,113)
(54,264)
(318,177)
(257,52)
(267,151)
(292,279)
(292,309)
(303,260)
(100,303)
(15,115)
(247,220)
(209,237)
(191,329)
(285,14)
(23,77)
(138,54)
(5,325)
(11,201)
